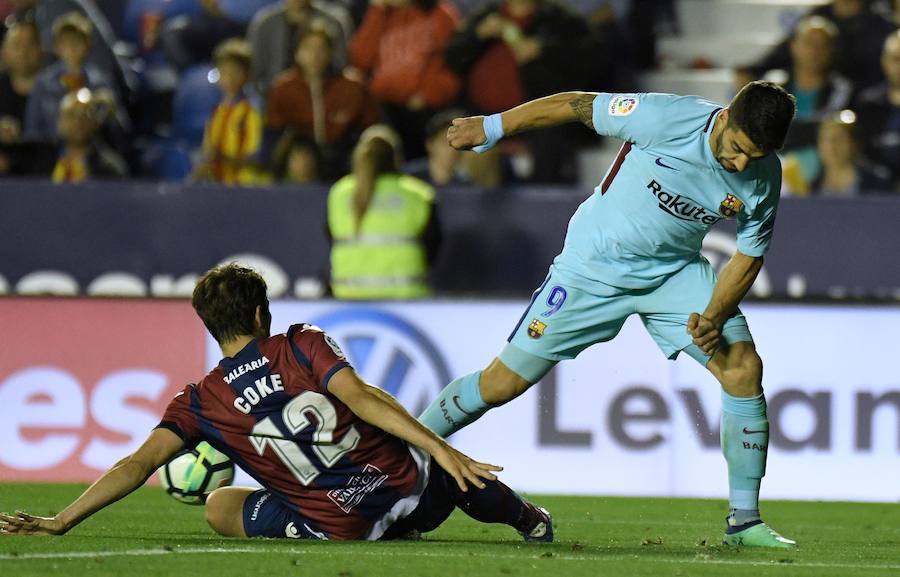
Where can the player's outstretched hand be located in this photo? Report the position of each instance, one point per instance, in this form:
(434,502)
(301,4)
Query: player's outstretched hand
(464,133)
(705,333)
(464,469)
(24,524)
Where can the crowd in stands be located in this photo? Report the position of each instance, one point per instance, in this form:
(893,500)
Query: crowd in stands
(248,92)
(842,62)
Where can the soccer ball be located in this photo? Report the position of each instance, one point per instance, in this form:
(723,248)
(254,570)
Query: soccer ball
(193,474)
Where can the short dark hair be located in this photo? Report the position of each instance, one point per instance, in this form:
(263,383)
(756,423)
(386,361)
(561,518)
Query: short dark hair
(763,110)
(226,299)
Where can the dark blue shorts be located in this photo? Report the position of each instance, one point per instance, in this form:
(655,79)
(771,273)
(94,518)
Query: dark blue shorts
(267,516)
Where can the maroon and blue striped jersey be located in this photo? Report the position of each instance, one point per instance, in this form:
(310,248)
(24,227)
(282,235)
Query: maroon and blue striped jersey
(268,408)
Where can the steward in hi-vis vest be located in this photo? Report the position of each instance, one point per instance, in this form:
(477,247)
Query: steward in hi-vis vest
(382,224)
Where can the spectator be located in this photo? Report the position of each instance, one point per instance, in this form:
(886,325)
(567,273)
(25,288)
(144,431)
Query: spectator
(300,163)
(102,56)
(233,135)
(819,90)
(187,40)
(400,48)
(844,174)
(892,11)
(591,8)
(445,165)
(83,155)
(879,112)
(517,50)
(861,34)
(441,165)
(72,72)
(21,55)
(356,8)
(315,102)
(275,32)
(614,55)
(383,225)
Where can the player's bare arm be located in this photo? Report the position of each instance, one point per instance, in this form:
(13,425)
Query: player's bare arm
(553,110)
(120,480)
(734,281)
(378,408)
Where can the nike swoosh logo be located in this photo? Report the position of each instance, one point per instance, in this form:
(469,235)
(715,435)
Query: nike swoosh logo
(456,402)
(746,431)
(659,162)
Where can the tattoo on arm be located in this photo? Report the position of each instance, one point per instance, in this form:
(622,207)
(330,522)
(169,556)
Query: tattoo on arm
(583,106)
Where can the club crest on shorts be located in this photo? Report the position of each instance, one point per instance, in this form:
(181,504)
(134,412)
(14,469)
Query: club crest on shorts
(730,206)
(536,329)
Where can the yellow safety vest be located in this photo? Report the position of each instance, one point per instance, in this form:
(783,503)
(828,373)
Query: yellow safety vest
(387,259)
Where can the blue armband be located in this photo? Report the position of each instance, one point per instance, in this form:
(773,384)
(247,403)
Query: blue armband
(493,132)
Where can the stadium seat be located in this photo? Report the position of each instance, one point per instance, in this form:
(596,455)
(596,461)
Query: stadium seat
(195,99)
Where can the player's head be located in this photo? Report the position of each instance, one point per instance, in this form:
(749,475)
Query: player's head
(231,301)
(754,124)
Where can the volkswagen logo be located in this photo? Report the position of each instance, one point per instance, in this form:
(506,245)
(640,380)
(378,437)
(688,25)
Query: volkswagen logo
(390,352)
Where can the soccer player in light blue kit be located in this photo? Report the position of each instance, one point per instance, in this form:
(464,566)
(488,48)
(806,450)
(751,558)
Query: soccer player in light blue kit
(634,247)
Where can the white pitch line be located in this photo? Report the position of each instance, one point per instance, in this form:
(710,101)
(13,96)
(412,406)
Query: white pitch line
(327,551)
(692,524)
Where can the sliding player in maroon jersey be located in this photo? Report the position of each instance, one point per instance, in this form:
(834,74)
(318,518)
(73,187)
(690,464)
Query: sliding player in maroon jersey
(338,458)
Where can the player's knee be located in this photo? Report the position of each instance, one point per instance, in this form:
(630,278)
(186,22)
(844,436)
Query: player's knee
(500,384)
(214,513)
(222,515)
(742,375)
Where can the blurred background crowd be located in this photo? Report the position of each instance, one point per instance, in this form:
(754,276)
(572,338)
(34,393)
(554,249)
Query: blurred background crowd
(250,92)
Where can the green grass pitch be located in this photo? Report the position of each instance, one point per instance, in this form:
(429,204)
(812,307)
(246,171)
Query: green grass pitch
(149,533)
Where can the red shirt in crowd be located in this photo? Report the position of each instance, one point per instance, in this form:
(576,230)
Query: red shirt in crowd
(402,50)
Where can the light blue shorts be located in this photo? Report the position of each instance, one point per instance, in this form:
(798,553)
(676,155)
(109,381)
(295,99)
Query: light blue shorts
(562,321)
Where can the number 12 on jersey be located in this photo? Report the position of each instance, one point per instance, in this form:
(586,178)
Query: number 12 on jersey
(266,433)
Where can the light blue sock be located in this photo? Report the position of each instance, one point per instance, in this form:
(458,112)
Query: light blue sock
(744,438)
(458,405)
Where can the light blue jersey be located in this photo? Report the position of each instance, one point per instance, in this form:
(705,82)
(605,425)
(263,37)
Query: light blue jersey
(663,193)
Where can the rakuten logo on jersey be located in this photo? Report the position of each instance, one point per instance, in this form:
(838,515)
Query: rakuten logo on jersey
(680,207)
(82,383)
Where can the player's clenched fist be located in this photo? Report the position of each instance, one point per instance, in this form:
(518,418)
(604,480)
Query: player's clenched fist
(467,132)
(705,333)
